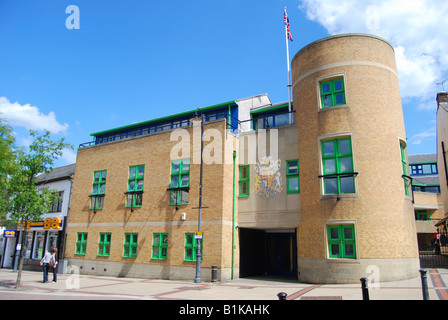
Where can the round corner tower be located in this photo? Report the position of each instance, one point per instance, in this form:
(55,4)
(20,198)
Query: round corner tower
(356,211)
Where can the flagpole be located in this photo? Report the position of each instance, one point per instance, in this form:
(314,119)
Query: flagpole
(289,71)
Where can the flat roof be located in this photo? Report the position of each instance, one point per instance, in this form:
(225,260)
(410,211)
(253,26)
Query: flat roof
(177,115)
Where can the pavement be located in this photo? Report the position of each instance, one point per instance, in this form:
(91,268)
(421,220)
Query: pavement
(89,287)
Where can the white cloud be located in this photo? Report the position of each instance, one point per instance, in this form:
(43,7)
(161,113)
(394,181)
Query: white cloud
(29,117)
(416,29)
(426,135)
(69,156)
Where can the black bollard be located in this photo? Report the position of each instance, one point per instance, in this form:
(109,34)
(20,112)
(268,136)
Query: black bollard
(282,295)
(365,289)
(424,284)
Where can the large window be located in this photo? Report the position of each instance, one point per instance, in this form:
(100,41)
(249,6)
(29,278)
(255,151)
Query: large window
(98,190)
(292,176)
(244,181)
(191,245)
(332,92)
(424,169)
(341,241)
(337,163)
(56,206)
(404,166)
(130,245)
(135,186)
(160,246)
(180,182)
(81,243)
(104,244)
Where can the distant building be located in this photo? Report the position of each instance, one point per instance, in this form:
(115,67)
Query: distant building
(50,232)
(442,151)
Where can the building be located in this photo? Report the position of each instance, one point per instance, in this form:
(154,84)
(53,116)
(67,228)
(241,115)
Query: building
(428,204)
(326,199)
(50,232)
(356,211)
(135,203)
(442,156)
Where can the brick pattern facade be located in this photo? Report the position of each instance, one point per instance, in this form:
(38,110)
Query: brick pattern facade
(155,215)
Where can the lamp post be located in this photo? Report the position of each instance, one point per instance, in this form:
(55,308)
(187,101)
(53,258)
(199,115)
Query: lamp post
(197,279)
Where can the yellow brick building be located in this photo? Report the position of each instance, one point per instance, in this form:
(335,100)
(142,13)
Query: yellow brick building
(299,199)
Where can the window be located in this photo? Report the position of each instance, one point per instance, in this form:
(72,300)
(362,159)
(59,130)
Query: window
(426,188)
(160,246)
(38,247)
(98,190)
(244,181)
(56,206)
(135,186)
(180,182)
(424,169)
(292,176)
(191,245)
(337,163)
(404,166)
(130,245)
(421,215)
(332,93)
(341,241)
(81,243)
(104,244)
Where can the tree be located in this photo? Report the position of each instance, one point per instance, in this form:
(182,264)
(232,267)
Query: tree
(7,157)
(24,203)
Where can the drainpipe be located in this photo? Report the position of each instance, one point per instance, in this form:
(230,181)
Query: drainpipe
(233,220)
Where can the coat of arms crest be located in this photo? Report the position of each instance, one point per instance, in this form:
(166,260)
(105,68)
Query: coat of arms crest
(268,179)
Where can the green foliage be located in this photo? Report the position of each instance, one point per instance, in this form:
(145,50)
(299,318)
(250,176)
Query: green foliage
(23,200)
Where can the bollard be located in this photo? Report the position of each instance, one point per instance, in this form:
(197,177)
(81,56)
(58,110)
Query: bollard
(365,289)
(424,284)
(282,295)
(214,273)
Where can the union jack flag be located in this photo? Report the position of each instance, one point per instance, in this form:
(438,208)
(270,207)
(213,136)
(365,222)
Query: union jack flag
(288,27)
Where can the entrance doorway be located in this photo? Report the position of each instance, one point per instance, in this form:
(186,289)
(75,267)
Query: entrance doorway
(281,254)
(267,253)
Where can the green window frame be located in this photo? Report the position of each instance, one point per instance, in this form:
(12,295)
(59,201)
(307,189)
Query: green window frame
(135,186)
(338,166)
(332,92)
(104,244)
(292,177)
(98,189)
(160,246)
(244,181)
(180,182)
(81,243)
(191,245)
(341,241)
(404,166)
(422,215)
(130,245)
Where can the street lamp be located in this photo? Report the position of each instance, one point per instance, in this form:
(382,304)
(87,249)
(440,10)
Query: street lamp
(197,279)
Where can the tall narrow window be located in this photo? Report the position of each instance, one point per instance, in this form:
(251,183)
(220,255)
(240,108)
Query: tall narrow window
(81,243)
(130,245)
(180,182)
(332,93)
(98,190)
(160,246)
(244,181)
(337,163)
(341,241)
(404,166)
(104,244)
(292,176)
(191,245)
(135,186)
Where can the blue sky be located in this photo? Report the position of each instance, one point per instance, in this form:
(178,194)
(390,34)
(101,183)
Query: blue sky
(135,60)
